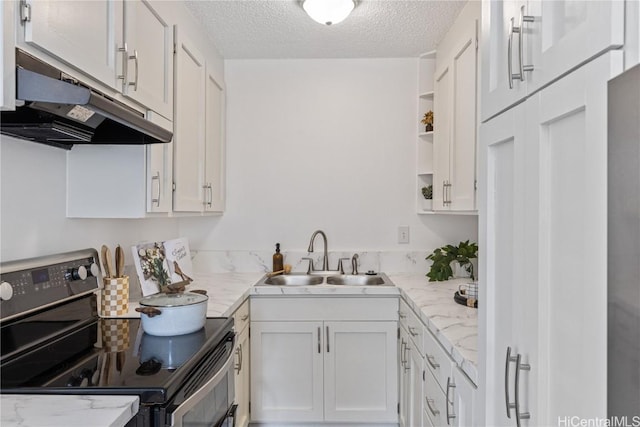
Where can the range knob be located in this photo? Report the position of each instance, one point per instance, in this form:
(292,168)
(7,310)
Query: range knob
(93,269)
(6,291)
(79,273)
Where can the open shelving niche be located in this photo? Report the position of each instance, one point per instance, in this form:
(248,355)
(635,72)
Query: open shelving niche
(424,143)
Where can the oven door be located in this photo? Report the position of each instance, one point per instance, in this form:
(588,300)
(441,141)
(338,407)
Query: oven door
(212,405)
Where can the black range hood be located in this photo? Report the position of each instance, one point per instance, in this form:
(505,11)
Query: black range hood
(60,111)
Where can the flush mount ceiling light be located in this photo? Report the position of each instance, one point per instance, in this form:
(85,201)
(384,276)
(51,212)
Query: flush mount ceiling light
(328,12)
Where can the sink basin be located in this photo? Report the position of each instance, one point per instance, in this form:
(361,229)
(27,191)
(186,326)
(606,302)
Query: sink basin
(355,280)
(294,280)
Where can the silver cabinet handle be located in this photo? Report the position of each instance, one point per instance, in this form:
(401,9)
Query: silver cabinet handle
(407,366)
(319,347)
(208,198)
(156,178)
(327,339)
(523,18)
(125,67)
(444,192)
(412,331)
(430,403)
(402,315)
(210,195)
(510,54)
(520,367)
(238,366)
(135,58)
(432,361)
(245,317)
(508,360)
(402,345)
(450,415)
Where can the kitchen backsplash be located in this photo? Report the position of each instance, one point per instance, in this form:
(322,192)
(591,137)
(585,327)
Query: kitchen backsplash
(261,261)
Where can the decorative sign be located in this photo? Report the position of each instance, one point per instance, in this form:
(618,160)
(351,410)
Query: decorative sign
(159,264)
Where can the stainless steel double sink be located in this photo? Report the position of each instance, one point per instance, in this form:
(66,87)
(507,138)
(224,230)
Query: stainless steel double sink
(304,279)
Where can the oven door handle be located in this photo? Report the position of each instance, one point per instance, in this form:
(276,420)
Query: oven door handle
(194,399)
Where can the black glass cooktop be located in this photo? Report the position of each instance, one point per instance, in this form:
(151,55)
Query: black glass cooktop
(103,356)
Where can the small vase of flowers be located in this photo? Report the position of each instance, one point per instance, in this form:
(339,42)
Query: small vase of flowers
(427,120)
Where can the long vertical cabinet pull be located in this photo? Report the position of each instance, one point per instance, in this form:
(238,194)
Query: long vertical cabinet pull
(450,415)
(523,18)
(510,54)
(156,178)
(507,399)
(319,346)
(402,346)
(407,366)
(516,405)
(135,59)
(520,367)
(327,339)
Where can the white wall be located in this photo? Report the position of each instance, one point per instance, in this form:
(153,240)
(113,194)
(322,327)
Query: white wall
(33,202)
(322,144)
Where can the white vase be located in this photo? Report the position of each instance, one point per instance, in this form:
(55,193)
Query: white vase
(427,204)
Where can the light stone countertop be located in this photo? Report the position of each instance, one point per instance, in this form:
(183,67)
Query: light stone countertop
(455,326)
(36,410)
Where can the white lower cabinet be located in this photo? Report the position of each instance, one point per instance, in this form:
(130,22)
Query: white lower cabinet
(461,398)
(242,365)
(313,367)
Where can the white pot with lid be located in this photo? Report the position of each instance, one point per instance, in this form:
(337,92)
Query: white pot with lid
(173,314)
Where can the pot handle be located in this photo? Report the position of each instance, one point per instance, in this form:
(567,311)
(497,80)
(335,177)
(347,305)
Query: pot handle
(149,311)
(199,291)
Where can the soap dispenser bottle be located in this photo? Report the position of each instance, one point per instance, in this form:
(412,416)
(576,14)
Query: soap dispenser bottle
(277,259)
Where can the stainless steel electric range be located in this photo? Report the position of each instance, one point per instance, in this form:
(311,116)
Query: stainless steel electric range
(53,342)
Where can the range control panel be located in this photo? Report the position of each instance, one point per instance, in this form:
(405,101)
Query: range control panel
(27,285)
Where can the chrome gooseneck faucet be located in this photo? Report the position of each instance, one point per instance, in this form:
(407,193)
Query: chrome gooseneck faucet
(325,258)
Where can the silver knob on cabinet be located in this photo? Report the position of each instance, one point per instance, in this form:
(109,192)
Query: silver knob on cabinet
(6,291)
(79,273)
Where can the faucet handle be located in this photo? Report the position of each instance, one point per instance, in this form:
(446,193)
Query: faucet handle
(340,267)
(310,268)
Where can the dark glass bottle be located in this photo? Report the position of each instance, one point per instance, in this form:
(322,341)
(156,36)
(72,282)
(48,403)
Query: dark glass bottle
(277,259)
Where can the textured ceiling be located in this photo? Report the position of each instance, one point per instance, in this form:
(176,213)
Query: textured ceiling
(281,28)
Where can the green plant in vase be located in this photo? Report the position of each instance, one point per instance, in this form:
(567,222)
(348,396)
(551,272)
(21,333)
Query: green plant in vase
(443,258)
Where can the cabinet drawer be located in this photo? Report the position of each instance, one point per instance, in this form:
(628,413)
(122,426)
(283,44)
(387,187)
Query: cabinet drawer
(241,317)
(437,360)
(435,403)
(323,308)
(413,325)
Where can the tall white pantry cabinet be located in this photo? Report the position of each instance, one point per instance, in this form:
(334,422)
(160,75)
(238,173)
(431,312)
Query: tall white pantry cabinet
(542,194)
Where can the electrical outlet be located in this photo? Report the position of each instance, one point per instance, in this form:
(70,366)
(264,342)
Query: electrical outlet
(403,234)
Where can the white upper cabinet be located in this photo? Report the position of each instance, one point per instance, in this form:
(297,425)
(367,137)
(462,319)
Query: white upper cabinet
(455,124)
(189,127)
(126,45)
(148,44)
(529,44)
(84,34)
(198,132)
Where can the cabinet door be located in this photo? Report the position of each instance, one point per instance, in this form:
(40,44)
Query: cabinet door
(214,147)
(84,34)
(7,60)
(572,242)
(360,372)
(242,379)
(442,106)
(404,382)
(462,150)
(461,399)
(416,374)
(286,371)
(159,170)
(498,90)
(566,33)
(510,308)
(189,127)
(149,63)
